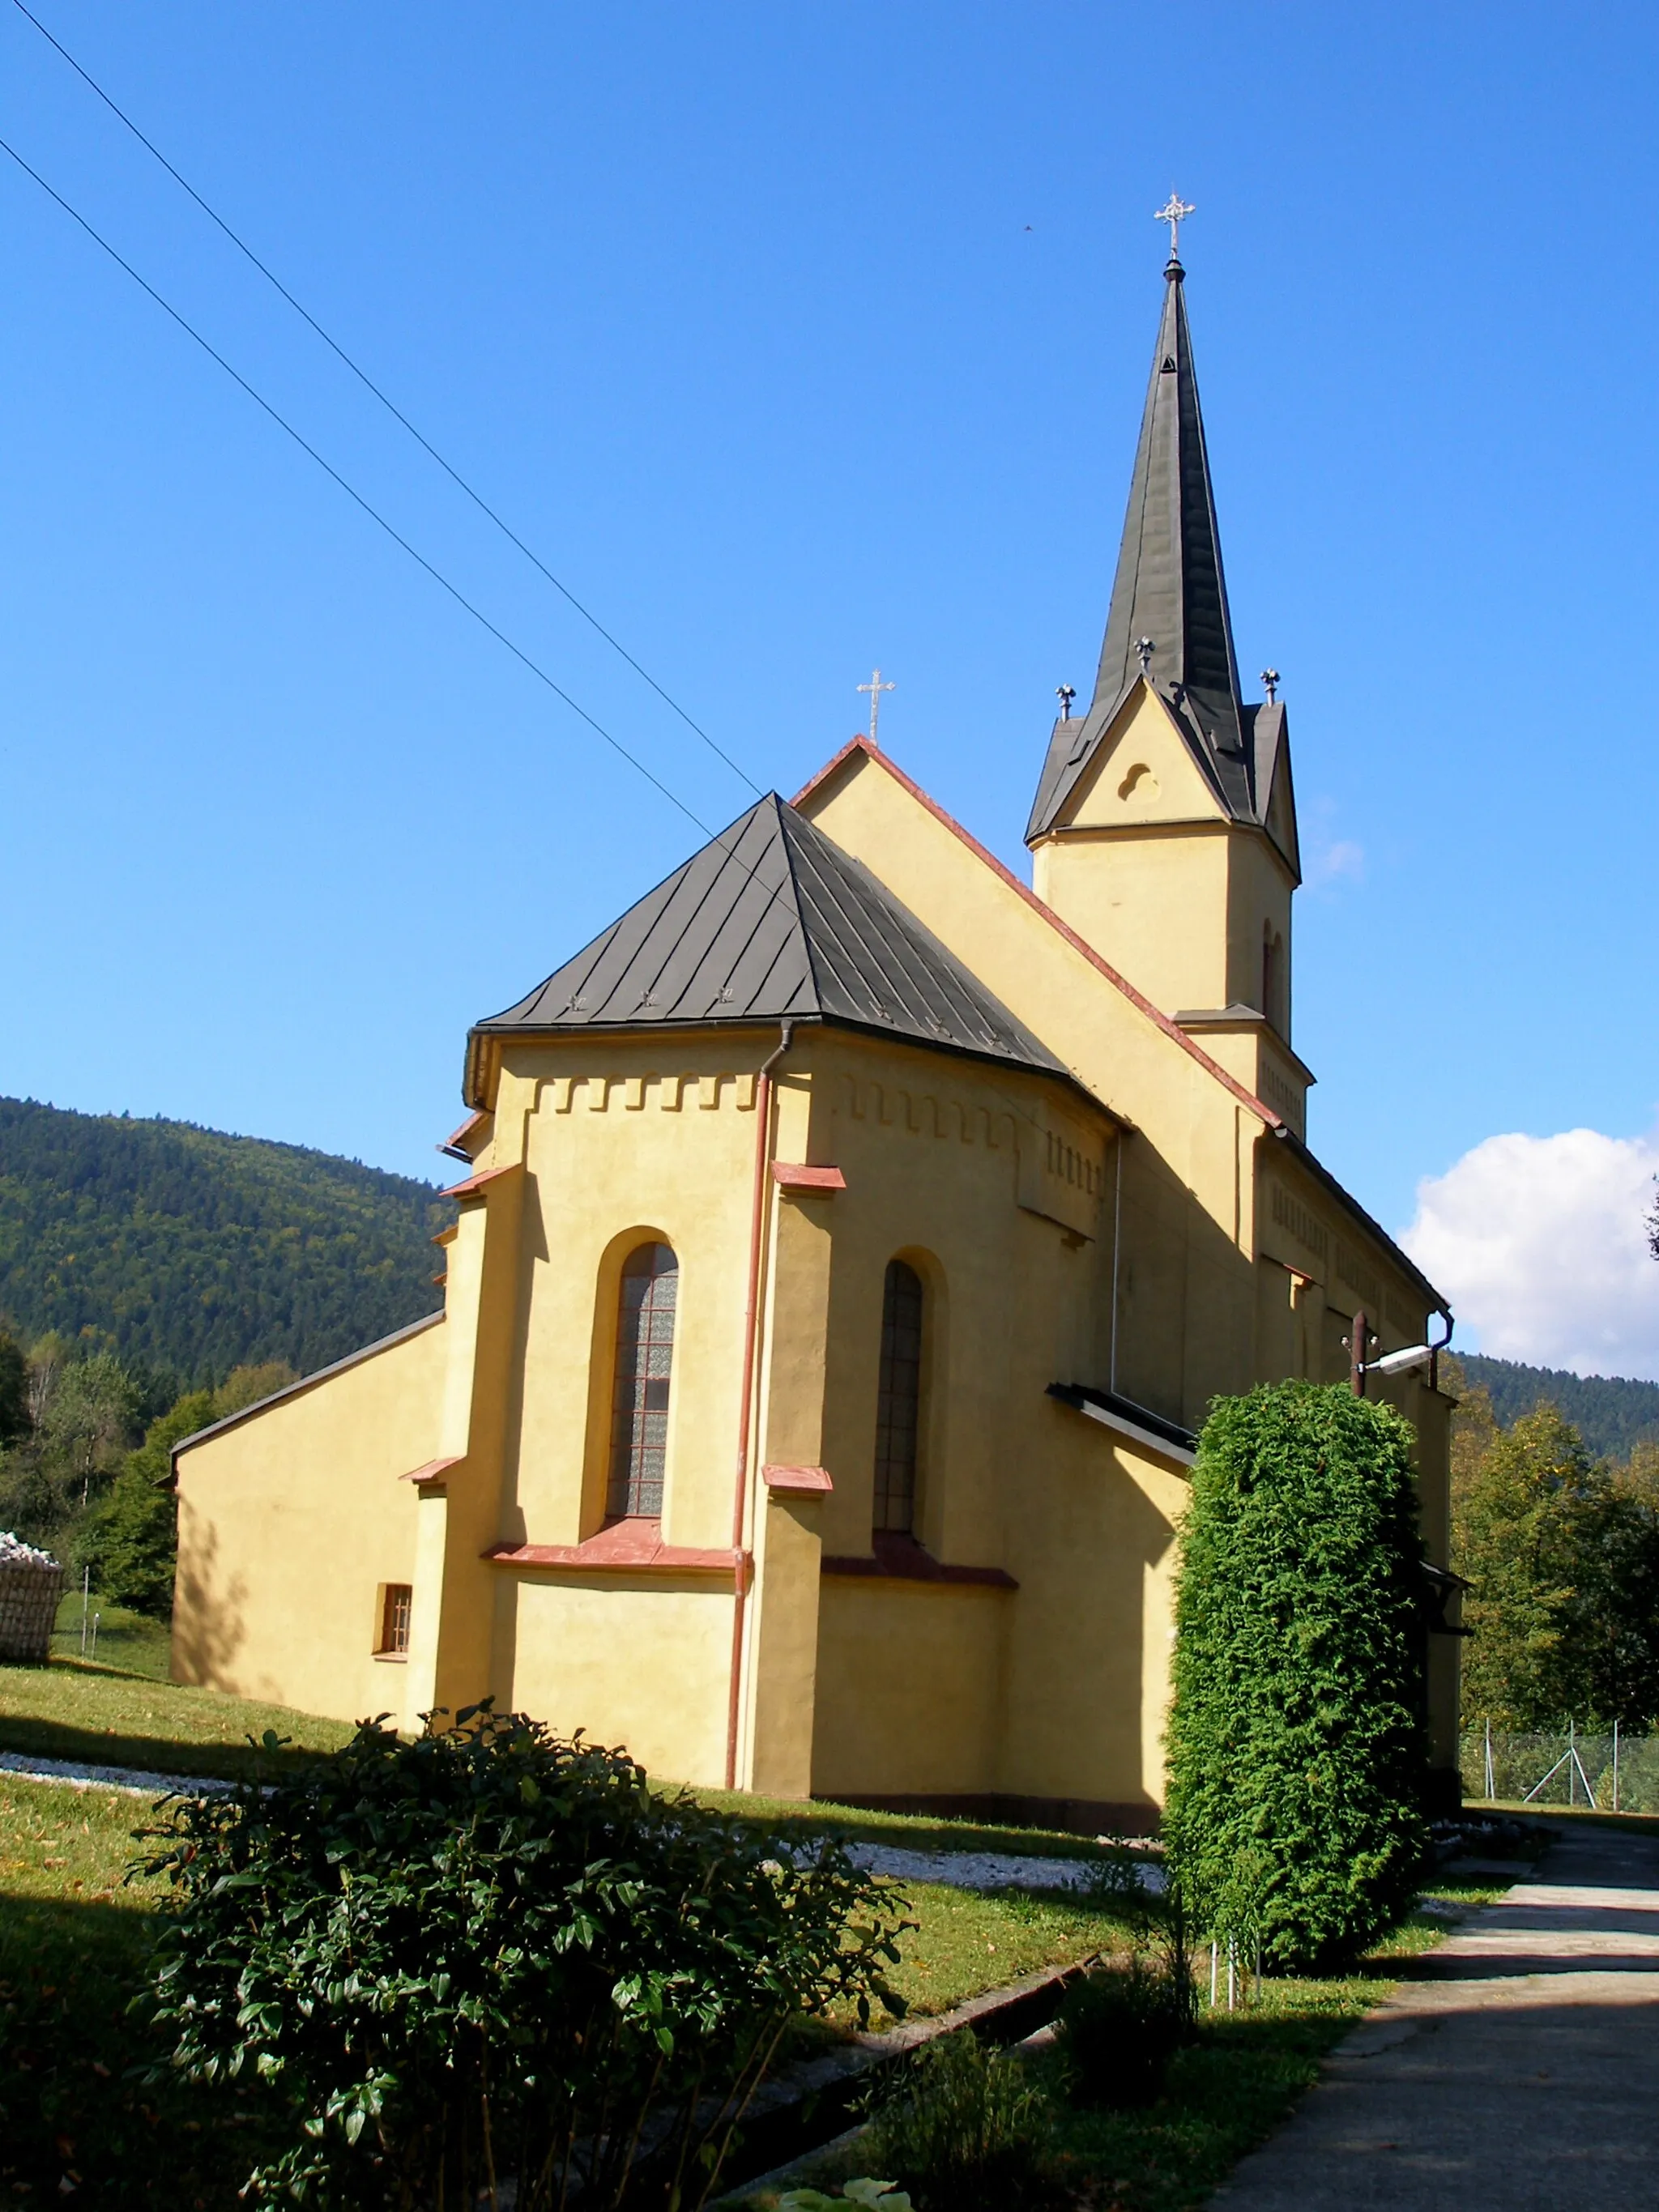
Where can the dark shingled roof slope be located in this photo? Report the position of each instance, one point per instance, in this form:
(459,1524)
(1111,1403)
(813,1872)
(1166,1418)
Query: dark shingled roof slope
(770,919)
(1169,587)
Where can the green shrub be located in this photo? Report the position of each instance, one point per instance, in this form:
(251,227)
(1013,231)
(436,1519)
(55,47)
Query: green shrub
(874,2196)
(963,2129)
(1296,1751)
(1118,2028)
(489,1955)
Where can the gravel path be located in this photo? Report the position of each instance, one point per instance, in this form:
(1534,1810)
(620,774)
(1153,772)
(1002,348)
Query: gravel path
(987,1869)
(976,1871)
(135,1780)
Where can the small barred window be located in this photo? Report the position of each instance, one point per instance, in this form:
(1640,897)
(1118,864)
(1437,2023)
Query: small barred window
(396,1604)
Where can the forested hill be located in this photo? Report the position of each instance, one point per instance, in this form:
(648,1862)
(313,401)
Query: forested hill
(1610,1411)
(192,1253)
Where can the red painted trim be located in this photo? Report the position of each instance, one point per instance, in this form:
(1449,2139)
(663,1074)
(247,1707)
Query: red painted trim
(801,1178)
(626,1547)
(476,1184)
(813,1480)
(895,1557)
(433,1469)
(456,1141)
(1136,999)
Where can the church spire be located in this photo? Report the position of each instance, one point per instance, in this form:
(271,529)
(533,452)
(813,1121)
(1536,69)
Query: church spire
(1169,587)
(1168,620)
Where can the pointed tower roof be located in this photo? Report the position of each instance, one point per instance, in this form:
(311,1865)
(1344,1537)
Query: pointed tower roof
(770,919)
(1169,588)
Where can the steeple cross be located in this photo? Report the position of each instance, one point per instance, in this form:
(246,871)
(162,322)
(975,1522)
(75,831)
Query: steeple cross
(1175,214)
(875,687)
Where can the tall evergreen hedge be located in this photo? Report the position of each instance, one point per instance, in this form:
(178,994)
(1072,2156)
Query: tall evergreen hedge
(1297,1746)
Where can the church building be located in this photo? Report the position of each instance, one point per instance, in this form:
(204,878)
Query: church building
(850,1241)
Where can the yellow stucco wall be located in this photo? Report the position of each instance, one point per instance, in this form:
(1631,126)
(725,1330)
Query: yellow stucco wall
(640,1663)
(289,1523)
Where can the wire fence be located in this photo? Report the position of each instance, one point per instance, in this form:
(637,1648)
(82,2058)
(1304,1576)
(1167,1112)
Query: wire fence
(1615,1773)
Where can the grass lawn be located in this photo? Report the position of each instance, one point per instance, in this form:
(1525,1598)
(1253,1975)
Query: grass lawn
(122,1714)
(1636,1824)
(910,1831)
(69,1710)
(131,1643)
(964,1943)
(74,2125)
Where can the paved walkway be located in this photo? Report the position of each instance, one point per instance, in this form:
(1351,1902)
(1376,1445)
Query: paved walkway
(1521,2072)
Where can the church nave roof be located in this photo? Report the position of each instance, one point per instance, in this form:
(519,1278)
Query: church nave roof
(771,919)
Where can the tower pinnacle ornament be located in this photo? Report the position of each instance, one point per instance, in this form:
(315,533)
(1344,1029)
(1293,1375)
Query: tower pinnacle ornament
(1174,213)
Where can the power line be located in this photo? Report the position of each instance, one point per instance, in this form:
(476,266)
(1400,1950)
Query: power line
(369,385)
(353,493)
(716,837)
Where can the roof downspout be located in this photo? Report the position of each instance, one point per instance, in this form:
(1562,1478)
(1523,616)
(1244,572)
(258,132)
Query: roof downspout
(1117,1246)
(741,1561)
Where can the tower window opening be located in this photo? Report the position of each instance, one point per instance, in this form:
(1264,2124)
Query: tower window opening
(898,1406)
(645,1305)
(1272,975)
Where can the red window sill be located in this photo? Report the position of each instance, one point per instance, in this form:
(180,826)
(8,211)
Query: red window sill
(895,1557)
(626,1547)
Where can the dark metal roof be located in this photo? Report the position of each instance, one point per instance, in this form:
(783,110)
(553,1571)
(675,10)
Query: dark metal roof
(1169,587)
(1080,1394)
(770,919)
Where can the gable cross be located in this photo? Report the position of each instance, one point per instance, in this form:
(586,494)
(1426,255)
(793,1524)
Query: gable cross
(875,687)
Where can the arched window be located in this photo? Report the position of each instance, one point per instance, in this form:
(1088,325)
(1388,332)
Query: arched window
(645,1359)
(898,1410)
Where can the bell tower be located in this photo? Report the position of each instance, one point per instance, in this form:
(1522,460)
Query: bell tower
(1163,830)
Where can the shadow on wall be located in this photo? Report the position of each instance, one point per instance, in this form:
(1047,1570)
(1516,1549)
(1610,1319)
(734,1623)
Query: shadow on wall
(207,1622)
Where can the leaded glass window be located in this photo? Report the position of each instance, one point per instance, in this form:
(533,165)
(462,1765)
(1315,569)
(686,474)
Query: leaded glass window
(898,1408)
(645,1359)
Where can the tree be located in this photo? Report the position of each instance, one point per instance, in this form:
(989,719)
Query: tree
(15,1422)
(246,1386)
(1296,1744)
(88,1420)
(132,1544)
(1563,1555)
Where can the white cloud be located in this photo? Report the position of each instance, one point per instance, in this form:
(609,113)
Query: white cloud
(1541,1246)
(1342,861)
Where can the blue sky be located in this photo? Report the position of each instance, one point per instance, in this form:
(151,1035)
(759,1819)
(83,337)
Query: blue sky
(797,339)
